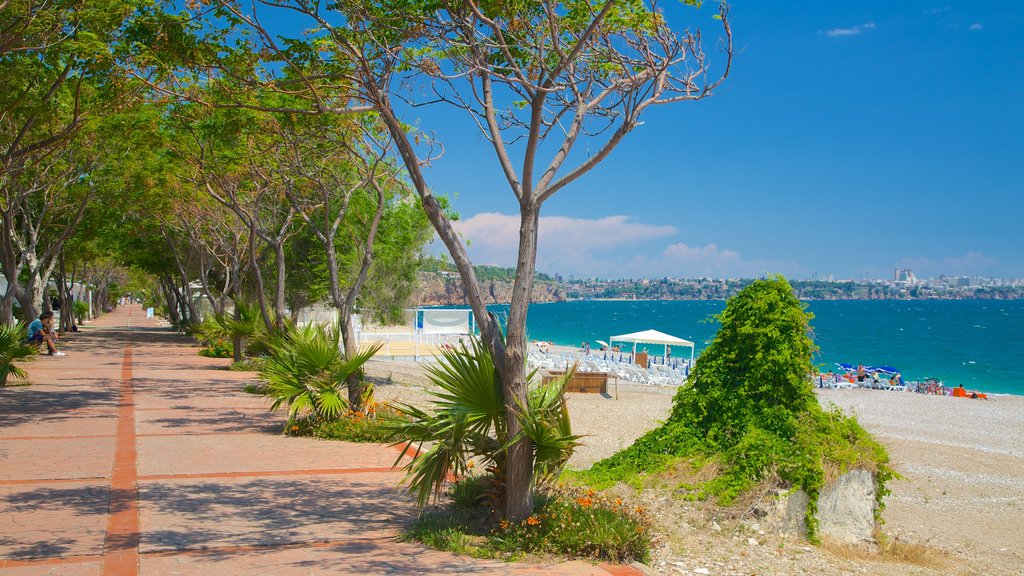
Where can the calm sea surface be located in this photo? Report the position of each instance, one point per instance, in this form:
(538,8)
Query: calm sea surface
(977,343)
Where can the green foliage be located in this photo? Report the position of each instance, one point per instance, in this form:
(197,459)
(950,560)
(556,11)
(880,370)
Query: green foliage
(251,364)
(579,524)
(13,349)
(218,348)
(245,323)
(373,425)
(750,408)
(469,422)
(306,372)
(80,308)
(567,522)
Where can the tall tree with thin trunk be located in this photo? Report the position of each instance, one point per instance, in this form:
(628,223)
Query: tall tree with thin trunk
(553,87)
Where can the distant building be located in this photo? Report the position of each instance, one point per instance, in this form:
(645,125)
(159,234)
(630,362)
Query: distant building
(905,276)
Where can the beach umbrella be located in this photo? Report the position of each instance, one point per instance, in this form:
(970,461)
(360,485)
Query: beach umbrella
(603,343)
(883,369)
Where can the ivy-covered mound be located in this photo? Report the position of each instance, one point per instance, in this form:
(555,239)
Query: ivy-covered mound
(749,408)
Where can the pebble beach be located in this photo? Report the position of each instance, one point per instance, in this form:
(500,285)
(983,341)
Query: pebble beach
(960,495)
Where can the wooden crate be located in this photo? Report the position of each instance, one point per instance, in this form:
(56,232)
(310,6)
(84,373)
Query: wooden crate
(592,382)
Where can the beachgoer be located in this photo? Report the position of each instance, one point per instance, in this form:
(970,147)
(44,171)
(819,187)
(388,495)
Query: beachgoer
(861,374)
(41,330)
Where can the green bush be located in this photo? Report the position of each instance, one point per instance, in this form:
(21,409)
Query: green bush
(216,349)
(373,425)
(80,309)
(569,523)
(749,406)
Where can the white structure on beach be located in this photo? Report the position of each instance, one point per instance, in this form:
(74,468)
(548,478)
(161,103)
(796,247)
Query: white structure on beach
(653,337)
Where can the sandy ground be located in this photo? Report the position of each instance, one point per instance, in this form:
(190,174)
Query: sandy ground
(961,495)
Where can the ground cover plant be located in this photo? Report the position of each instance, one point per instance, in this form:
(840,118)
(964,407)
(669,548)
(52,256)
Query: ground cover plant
(372,424)
(566,522)
(749,413)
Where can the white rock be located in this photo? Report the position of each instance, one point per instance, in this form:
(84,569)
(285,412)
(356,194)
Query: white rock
(752,542)
(701,571)
(716,527)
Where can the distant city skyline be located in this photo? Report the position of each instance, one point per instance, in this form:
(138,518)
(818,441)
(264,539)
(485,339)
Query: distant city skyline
(851,139)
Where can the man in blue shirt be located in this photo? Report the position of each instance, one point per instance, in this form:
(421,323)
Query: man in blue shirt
(41,330)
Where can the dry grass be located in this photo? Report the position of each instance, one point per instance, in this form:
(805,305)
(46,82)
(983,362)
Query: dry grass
(889,549)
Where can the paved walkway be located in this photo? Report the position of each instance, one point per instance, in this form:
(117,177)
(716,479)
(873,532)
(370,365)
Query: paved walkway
(133,455)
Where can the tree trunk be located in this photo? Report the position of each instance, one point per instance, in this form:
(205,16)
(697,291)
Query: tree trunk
(236,339)
(519,480)
(279,303)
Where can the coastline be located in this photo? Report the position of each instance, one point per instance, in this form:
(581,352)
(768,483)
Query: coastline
(958,459)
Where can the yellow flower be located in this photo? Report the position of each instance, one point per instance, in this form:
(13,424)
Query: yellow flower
(618,501)
(503,524)
(470,464)
(295,427)
(532,521)
(586,501)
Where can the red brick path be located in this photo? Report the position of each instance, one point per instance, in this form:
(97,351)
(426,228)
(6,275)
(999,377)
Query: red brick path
(133,455)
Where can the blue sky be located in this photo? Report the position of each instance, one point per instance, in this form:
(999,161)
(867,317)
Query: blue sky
(850,139)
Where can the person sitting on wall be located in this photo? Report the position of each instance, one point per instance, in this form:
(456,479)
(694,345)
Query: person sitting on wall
(41,330)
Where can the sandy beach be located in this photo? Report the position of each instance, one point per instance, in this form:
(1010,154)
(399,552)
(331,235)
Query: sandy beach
(961,495)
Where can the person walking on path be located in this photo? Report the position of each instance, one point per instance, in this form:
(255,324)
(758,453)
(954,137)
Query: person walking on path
(41,330)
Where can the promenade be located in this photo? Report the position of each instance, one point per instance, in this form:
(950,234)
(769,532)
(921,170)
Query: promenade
(133,455)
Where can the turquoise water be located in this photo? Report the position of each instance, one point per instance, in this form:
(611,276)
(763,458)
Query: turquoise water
(977,343)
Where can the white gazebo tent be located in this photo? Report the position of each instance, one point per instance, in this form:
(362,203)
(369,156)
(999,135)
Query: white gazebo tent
(653,337)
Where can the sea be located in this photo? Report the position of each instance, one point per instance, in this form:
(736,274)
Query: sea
(977,343)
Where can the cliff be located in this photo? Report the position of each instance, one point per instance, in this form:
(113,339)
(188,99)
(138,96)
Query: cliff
(446,290)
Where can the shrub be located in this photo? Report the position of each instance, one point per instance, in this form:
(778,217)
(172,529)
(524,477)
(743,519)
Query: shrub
(750,407)
(216,349)
(469,423)
(80,309)
(306,372)
(245,325)
(13,349)
(373,425)
(567,522)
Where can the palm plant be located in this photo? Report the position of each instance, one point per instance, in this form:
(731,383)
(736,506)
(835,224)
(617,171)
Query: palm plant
(469,423)
(242,328)
(12,349)
(306,371)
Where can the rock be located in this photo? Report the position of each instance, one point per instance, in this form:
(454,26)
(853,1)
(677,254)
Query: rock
(701,571)
(716,527)
(846,509)
(752,542)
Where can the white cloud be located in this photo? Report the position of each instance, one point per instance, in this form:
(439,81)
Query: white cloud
(970,264)
(683,261)
(975,27)
(849,31)
(609,247)
(565,244)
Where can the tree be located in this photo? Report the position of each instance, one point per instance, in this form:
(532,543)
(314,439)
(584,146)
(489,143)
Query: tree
(538,79)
